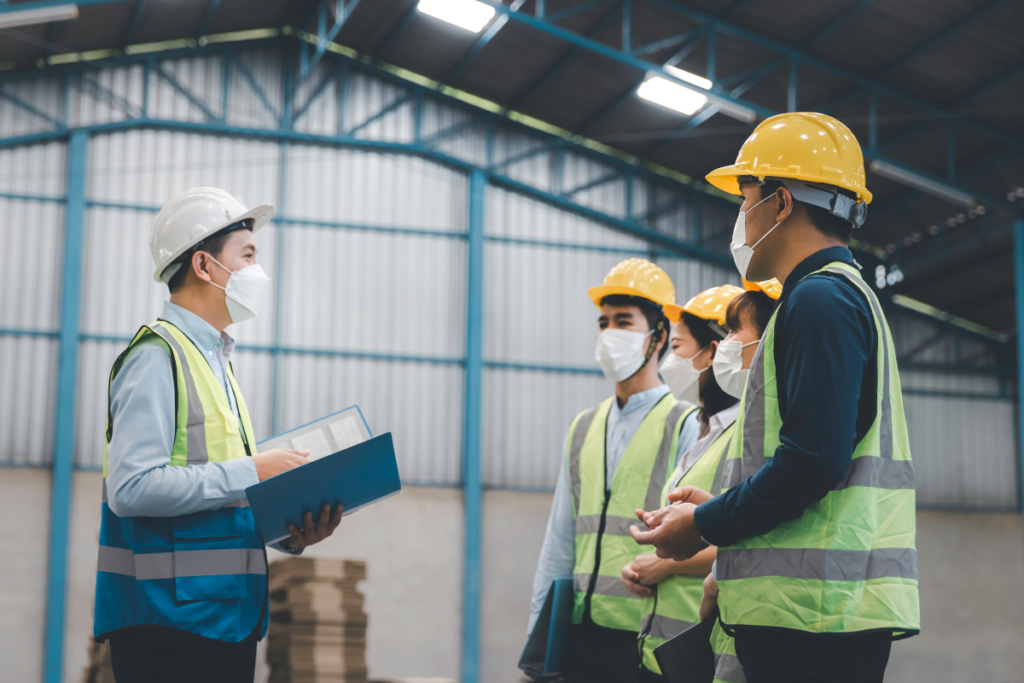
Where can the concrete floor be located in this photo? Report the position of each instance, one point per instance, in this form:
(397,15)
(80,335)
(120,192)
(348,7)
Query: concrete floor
(971,570)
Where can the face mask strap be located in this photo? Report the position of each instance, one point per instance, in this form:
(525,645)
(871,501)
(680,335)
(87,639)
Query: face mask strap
(654,341)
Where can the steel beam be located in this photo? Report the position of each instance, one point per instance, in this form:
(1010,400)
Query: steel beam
(140,7)
(850,12)
(1018,288)
(697,119)
(400,26)
(467,58)
(188,94)
(575,9)
(67,379)
(211,10)
(472,480)
(31,109)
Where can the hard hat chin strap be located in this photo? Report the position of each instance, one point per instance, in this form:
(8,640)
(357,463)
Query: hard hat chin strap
(829,198)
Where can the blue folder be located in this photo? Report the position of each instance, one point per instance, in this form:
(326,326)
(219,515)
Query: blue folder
(543,652)
(353,477)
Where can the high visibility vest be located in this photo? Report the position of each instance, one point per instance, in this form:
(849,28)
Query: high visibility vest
(603,517)
(848,563)
(676,606)
(205,572)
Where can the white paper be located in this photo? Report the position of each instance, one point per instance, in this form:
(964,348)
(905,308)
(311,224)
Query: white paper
(314,441)
(346,432)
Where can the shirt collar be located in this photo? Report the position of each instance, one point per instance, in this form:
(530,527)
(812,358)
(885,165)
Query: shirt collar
(723,418)
(816,261)
(202,333)
(641,401)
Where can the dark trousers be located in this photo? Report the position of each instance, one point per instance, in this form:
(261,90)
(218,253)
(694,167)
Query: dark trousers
(594,654)
(160,655)
(648,676)
(786,656)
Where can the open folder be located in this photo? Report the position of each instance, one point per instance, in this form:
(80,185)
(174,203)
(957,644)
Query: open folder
(354,476)
(688,657)
(543,653)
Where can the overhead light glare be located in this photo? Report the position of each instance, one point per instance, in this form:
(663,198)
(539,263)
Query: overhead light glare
(924,184)
(671,95)
(468,14)
(682,75)
(41,15)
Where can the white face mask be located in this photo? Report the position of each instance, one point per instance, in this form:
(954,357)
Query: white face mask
(247,287)
(741,253)
(682,377)
(621,353)
(728,365)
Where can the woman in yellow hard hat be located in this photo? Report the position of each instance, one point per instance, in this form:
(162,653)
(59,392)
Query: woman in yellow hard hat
(617,457)
(672,590)
(822,437)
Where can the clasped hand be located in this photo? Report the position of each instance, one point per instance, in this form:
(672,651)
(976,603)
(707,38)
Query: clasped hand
(673,531)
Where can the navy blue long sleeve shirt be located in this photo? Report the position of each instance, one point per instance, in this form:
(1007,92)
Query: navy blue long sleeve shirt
(825,359)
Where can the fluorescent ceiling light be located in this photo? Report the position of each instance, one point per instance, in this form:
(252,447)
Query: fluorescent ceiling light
(42,15)
(920,182)
(682,75)
(672,95)
(468,14)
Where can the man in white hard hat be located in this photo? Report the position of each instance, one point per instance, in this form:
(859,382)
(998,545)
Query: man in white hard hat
(181,590)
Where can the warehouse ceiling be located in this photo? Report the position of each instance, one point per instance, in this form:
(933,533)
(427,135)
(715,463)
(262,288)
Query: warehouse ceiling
(942,82)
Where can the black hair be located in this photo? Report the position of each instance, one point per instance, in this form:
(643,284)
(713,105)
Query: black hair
(756,304)
(654,314)
(826,222)
(700,329)
(213,245)
(713,398)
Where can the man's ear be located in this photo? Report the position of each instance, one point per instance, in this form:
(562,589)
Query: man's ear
(201,265)
(786,206)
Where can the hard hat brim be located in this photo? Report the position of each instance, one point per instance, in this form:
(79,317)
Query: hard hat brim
(726,179)
(673,313)
(599,293)
(260,215)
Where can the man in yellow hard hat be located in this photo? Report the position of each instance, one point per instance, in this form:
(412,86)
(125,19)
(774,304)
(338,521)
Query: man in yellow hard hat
(617,457)
(816,566)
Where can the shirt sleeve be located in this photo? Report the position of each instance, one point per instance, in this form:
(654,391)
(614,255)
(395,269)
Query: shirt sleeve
(558,554)
(688,435)
(141,482)
(826,343)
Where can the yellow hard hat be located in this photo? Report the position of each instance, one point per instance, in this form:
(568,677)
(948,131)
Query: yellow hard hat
(770,287)
(802,145)
(708,305)
(636,277)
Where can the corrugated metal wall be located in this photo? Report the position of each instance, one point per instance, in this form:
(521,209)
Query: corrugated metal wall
(369,256)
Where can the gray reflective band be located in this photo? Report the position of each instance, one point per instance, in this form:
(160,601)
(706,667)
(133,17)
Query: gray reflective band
(149,566)
(660,626)
(885,428)
(579,435)
(241,503)
(196,422)
(652,501)
(614,526)
(729,669)
(716,483)
(879,473)
(605,585)
(816,563)
(752,458)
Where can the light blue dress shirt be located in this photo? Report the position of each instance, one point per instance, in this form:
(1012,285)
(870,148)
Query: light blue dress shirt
(558,554)
(140,479)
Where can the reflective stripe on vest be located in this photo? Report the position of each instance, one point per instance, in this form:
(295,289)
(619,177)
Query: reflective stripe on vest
(602,538)
(178,564)
(848,563)
(677,603)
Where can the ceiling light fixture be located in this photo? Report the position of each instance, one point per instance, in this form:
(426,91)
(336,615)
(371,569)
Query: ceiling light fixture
(922,183)
(671,95)
(41,15)
(467,14)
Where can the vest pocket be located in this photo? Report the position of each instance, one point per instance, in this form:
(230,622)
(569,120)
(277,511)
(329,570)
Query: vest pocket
(210,557)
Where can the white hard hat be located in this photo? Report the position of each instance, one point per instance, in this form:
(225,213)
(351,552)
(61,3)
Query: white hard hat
(189,219)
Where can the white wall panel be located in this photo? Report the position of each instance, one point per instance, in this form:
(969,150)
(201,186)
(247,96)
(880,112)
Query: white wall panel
(202,76)
(152,167)
(254,372)
(44,95)
(31,260)
(421,403)
(28,378)
(33,169)
(95,359)
(319,116)
(106,95)
(526,418)
(368,188)
(468,144)
(372,291)
(367,97)
(245,108)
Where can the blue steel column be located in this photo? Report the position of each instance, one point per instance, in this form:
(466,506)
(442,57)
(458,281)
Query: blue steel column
(67,376)
(472,486)
(1018,282)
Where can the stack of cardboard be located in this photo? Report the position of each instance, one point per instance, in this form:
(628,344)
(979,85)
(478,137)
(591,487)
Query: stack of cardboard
(317,623)
(99,669)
